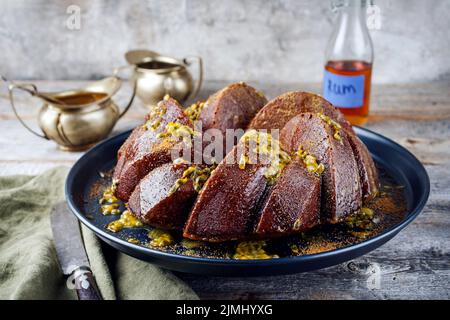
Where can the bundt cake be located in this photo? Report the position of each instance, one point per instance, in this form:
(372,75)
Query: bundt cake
(315,172)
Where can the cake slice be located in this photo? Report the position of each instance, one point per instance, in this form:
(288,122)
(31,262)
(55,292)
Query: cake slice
(145,149)
(164,197)
(368,173)
(226,206)
(232,107)
(319,136)
(293,203)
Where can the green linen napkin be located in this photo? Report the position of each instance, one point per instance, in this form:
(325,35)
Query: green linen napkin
(28,265)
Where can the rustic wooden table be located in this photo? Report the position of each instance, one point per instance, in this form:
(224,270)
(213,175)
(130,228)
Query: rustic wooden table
(415,264)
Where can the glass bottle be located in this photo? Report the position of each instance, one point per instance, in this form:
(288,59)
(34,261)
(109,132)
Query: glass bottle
(349,59)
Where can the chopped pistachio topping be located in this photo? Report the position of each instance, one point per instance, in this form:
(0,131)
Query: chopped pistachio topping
(108,209)
(191,244)
(160,238)
(158,111)
(297,224)
(155,124)
(267,146)
(336,126)
(197,175)
(127,220)
(133,240)
(252,250)
(178,130)
(155,117)
(367,212)
(364,219)
(311,163)
(193,112)
(108,194)
(295,249)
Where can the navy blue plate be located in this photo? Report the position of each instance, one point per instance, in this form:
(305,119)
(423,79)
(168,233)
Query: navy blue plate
(396,160)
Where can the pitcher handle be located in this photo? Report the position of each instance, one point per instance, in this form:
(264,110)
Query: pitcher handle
(200,74)
(32,91)
(116,72)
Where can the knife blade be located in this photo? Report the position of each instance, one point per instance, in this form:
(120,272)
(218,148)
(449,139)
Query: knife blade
(71,253)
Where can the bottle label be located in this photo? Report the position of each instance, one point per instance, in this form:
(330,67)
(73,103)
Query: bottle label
(343,91)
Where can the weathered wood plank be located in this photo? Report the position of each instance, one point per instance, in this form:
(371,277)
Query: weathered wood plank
(413,101)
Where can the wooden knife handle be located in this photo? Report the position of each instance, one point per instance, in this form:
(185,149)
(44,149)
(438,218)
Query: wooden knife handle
(85,285)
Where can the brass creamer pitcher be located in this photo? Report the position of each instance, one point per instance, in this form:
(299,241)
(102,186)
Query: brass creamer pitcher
(157,75)
(76,119)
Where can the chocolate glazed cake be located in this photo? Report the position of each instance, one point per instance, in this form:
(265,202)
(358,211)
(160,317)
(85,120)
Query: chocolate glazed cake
(319,172)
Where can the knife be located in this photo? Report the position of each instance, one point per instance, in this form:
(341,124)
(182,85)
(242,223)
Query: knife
(72,254)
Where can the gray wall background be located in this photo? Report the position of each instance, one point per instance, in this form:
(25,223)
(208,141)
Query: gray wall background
(273,41)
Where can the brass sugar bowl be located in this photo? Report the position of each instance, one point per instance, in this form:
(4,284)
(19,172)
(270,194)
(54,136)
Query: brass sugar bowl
(76,119)
(158,75)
